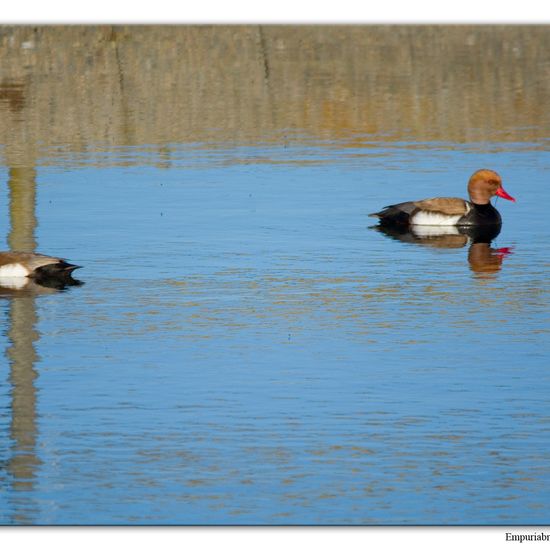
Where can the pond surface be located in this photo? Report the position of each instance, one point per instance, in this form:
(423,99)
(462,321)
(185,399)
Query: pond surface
(247,349)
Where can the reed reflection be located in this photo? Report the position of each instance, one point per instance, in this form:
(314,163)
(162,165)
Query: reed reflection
(21,352)
(484,260)
(22,335)
(96,88)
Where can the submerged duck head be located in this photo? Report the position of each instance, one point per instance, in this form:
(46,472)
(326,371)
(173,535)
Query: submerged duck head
(484,185)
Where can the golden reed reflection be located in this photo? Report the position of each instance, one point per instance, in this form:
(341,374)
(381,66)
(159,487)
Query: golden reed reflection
(21,352)
(22,199)
(95,88)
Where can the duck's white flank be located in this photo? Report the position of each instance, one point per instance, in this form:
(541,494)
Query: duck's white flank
(13,270)
(434,218)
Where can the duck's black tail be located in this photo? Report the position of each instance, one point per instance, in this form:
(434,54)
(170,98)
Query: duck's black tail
(53,274)
(58,269)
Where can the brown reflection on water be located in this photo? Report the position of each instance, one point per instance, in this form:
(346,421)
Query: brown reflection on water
(97,87)
(22,357)
(13,94)
(485,260)
(21,352)
(22,188)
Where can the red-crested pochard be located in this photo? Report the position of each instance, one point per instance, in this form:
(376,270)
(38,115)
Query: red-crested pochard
(483,185)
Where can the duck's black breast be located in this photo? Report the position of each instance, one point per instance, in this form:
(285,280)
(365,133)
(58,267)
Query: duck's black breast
(481,214)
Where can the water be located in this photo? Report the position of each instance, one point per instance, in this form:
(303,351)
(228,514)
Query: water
(247,349)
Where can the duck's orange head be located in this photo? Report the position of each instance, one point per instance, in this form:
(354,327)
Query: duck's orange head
(485,184)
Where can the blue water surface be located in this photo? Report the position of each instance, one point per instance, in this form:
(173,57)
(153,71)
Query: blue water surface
(247,349)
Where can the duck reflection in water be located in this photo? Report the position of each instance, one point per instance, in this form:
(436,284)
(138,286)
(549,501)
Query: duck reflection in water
(18,286)
(483,259)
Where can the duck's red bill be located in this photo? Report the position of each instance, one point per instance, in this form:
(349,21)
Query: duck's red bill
(501,193)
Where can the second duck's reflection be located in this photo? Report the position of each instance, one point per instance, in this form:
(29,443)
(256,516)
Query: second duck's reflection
(19,286)
(483,259)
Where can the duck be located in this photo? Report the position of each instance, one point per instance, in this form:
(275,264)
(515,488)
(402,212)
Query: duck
(14,265)
(483,185)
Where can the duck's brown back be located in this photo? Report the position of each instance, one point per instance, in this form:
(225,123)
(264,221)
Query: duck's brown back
(27,259)
(450,206)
